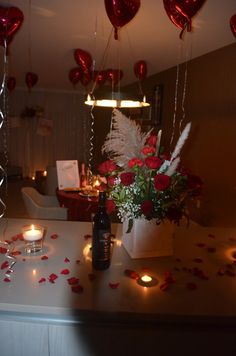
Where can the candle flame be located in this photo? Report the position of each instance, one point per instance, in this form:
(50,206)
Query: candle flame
(146,278)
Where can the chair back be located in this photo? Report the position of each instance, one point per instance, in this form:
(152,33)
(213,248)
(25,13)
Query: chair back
(41,206)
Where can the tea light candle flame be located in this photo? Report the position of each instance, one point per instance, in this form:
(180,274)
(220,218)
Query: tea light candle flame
(146,278)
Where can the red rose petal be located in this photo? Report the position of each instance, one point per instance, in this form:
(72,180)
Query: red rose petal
(52,278)
(44,257)
(200,244)
(198,260)
(131,274)
(4,265)
(65,271)
(42,280)
(54,236)
(23,259)
(6,279)
(191,286)
(211,235)
(221,272)
(211,249)
(87,236)
(77,261)
(3,250)
(164,286)
(8,241)
(73,280)
(114,285)
(168,277)
(77,289)
(230,273)
(16,253)
(91,276)
(66,260)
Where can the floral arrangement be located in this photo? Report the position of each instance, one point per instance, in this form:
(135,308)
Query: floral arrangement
(141,181)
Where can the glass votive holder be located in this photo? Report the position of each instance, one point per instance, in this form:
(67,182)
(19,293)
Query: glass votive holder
(33,237)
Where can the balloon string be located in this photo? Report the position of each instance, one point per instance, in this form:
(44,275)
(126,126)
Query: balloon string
(29,38)
(175,104)
(103,60)
(91,147)
(184,96)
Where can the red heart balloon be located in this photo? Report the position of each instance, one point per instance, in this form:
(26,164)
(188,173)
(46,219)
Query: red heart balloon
(175,16)
(188,8)
(114,76)
(140,69)
(120,12)
(11,83)
(11,19)
(99,77)
(86,77)
(31,79)
(233,24)
(83,58)
(75,75)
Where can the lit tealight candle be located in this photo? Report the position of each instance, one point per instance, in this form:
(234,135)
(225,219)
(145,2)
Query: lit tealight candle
(32,234)
(146,278)
(147,281)
(45,173)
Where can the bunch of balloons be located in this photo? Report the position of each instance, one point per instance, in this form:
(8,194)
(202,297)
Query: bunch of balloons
(181,12)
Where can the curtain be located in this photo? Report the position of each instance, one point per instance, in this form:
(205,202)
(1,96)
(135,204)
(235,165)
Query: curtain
(59,129)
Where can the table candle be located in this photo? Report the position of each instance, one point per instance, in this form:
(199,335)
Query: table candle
(33,234)
(147,281)
(146,278)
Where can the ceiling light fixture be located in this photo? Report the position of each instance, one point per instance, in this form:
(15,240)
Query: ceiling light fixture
(116,100)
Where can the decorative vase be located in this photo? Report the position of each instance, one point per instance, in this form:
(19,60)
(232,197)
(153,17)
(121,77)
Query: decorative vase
(147,239)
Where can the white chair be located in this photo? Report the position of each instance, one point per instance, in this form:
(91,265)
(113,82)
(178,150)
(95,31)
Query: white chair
(41,206)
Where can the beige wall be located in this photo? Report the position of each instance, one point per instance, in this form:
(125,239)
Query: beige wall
(211,149)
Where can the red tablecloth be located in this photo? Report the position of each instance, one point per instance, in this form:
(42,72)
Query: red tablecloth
(79,208)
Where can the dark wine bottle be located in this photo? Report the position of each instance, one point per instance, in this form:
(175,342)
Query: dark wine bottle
(101,236)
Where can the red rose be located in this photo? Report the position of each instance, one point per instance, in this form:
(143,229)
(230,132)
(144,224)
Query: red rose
(147,207)
(148,150)
(110,206)
(135,162)
(111,181)
(153,162)
(127,178)
(161,181)
(107,167)
(152,140)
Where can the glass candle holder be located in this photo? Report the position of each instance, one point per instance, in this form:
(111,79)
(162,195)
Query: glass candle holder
(33,237)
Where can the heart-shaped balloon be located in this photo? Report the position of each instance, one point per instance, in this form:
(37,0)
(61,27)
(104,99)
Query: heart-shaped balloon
(114,76)
(31,79)
(11,19)
(233,24)
(140,69)
(120,12)
(75,75)
(86,77)
(11,83)
(188,8)
(83,58)
(175,16)
(99,77)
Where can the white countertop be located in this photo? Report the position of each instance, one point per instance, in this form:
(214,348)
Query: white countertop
(213,299)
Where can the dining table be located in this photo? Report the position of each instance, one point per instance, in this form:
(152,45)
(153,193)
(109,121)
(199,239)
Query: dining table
(80,206)
(54,303)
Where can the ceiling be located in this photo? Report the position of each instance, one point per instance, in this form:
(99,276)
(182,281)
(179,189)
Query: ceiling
(52,30)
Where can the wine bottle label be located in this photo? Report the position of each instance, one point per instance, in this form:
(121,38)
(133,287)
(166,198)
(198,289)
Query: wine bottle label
(101,247)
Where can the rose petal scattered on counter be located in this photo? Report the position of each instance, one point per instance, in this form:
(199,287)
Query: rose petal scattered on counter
(52,277)
(44,257)
(65,271)
(77,289)
(114,285)
(54,236)
(73,280)
(6,279)
(66,260)
(16,253)
(3,250)
(4,265)
(42,280)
